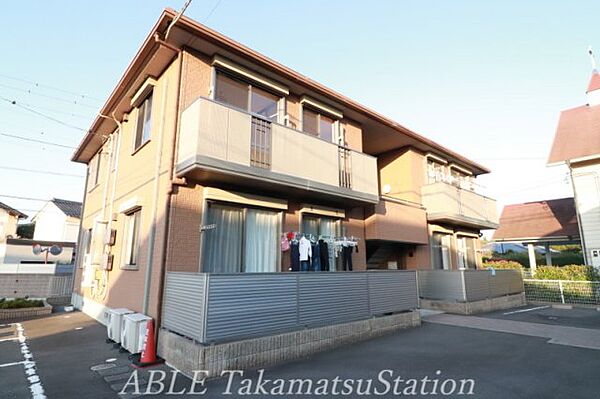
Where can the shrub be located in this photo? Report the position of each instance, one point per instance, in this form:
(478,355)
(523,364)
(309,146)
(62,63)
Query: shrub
(569,272)
(19,303)
(502,264)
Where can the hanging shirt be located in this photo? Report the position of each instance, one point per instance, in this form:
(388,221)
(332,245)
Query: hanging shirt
(305,249)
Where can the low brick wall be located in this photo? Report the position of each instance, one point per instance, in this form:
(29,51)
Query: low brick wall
(483,306)
(187,356)
(25,313)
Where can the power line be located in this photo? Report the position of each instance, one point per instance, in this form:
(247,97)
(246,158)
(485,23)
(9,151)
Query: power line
(213,10)
(51,87)
(43,172)
(65,100)
(35,140)
(23,198)
(14,102)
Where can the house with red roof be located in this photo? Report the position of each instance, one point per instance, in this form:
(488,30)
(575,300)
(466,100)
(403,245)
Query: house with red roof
(577,145)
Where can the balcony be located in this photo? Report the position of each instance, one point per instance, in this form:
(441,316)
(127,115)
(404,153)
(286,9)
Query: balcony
(447,203)
(223,145)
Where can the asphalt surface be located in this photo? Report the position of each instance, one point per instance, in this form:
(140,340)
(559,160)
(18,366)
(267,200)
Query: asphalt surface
(576,317)
(502,365)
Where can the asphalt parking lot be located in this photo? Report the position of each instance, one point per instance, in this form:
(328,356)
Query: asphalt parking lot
(502,365)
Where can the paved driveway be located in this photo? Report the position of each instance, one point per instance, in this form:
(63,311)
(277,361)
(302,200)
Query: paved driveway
(502,365)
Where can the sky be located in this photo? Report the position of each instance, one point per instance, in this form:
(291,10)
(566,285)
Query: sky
(486,79)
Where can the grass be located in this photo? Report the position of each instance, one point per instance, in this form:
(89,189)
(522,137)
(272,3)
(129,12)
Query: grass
(20,303)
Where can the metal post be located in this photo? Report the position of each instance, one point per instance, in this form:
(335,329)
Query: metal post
(532,264)
(548,255)
(562,294)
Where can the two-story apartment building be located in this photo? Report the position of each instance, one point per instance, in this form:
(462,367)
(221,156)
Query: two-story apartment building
(207,156)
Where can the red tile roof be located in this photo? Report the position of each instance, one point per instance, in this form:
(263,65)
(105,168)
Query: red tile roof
(540,219)
(594,82)
(577,135)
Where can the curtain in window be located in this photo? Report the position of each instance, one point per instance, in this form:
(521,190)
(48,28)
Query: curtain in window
(222,246)
(310,225)
(260,254)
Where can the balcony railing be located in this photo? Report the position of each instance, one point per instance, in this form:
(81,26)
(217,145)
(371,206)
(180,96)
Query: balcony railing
(446,202)
(223,139)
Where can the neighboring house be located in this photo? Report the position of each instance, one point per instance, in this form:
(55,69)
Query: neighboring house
(20,251)
(213,153)
(577,145)
(58,220)
(9,218)
(549,222)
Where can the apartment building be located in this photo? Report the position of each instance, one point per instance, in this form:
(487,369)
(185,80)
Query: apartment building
(577,145)
(208,155)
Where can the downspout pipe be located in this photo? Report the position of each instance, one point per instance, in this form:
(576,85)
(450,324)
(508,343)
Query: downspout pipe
(169,195)
(156,192)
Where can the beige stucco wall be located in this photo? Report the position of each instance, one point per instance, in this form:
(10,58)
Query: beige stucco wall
(394,221)
(8,225)
(135,179)
(404,172)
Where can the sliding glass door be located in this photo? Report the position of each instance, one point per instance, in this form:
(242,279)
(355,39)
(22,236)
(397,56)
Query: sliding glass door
(241,239)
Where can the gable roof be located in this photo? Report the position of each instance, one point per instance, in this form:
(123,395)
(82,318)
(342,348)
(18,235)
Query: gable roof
(155,54)
(539,220)
(577,135)
(594,82)
(13,211)
(69,208)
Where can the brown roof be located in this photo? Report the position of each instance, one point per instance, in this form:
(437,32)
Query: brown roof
(550,219)
(12,211)
(577,135)
(151,48)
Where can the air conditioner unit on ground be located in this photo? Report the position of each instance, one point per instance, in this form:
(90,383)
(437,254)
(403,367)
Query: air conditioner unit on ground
(114,323)
(133,332)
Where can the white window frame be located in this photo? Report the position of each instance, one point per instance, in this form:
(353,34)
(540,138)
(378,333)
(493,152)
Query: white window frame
(131,225)
(143,104)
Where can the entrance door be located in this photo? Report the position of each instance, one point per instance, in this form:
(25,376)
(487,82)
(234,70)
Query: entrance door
(461,251)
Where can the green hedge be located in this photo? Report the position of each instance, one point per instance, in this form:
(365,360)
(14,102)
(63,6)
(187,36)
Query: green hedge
(19,303)
(560,259)
(570,272)
(502,264)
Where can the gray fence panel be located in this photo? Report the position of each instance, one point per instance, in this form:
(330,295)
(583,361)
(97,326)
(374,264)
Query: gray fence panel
(392,291)
(477,284)
(248,305)
(440,284)
(183,304)
(35,285)
(327,298)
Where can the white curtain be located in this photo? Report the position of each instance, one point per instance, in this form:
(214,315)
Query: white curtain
(260,254)
(222,245)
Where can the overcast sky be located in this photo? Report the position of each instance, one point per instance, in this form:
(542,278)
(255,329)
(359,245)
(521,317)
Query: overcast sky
(486,79)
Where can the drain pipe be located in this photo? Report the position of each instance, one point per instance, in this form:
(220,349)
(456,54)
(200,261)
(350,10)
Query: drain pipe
(156,191)
(169,198)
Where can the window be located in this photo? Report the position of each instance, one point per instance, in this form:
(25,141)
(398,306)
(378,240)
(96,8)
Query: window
(231,91)
(247,97)
(322,226)
(144,123)
(242,240)
(436,172)
(132,239)
(440,251)
(465,248)
(317,124)
(94,170)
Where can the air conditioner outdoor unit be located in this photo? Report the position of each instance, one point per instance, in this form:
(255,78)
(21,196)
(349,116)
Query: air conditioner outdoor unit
(133,332)
(114,323)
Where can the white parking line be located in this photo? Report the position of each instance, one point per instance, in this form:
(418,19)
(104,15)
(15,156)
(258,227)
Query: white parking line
(35,385)
(525,310)
(11,364)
